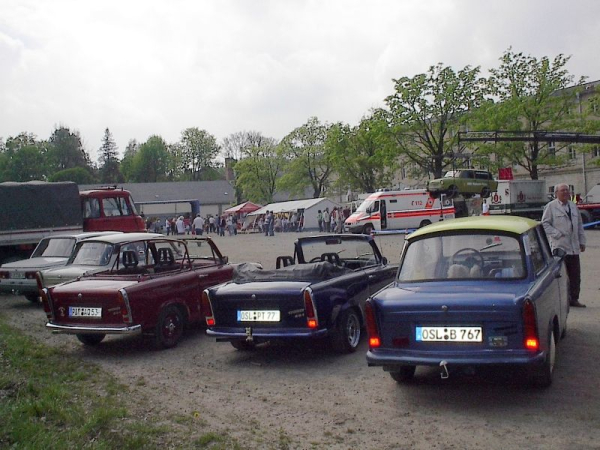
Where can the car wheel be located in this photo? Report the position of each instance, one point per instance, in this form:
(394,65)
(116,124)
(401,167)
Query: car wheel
(243,345)
(404,374)
(424,223)
(169,328)
(90,339)
(33,298)
(485,192)
(347,334)
(452,191)
(543,377)
(367,229)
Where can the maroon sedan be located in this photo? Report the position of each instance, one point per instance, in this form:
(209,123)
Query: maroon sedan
(153,287)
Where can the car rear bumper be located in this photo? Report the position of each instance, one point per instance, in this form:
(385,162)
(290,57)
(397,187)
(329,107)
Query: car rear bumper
(20,286)
(87,329)
(231,334)
(389,359)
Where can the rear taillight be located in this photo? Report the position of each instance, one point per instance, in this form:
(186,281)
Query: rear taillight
(312,321)
(123,300)
(530,332)
(207,309)
(44,295)
(4,275)
(372,331)
(30,275)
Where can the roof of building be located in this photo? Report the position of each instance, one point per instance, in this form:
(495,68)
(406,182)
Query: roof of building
(219,192)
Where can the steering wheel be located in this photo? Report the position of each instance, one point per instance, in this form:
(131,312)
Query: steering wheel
(476,253)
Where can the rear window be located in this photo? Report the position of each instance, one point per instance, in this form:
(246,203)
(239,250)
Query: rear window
(456,256)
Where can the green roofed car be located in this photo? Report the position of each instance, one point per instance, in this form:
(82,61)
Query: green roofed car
(467,182)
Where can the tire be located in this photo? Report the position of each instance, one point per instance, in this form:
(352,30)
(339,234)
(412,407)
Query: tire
(424,223)
(452,191)
(169,328)
(543,376)
(90,339)
(485,192)
(243,346)
(404,374)
(347,332)
(33,298)
(367,229)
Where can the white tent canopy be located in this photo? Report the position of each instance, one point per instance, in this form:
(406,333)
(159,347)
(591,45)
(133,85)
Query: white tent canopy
(310,206)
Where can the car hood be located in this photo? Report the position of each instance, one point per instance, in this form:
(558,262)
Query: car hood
(468,293)
(37,263)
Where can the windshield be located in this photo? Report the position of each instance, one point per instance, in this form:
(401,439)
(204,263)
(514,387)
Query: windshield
(368,206)
(91,253)
(352,253)
(54,247)
(455,256)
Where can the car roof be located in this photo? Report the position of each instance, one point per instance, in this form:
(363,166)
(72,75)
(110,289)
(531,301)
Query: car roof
(126,237)
(509,224)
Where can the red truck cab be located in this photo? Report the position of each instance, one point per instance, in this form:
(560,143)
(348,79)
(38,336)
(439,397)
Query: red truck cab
(108,209)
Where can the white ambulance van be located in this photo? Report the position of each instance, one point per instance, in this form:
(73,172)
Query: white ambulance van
(398,210)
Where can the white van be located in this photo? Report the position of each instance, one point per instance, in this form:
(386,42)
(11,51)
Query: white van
(397,210)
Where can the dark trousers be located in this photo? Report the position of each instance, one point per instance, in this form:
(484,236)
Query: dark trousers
(573,267)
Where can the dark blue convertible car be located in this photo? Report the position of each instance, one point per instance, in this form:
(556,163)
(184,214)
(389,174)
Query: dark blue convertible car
(318,292)
(471,292)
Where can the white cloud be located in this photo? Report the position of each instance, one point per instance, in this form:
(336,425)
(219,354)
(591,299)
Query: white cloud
(155,67)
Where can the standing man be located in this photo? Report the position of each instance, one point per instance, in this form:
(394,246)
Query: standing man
(564,228)
(198,225)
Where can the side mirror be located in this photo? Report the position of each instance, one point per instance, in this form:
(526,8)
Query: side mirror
(559,252)
(384,261)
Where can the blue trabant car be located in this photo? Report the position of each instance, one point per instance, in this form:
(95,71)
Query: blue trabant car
(471,292)
(319,292)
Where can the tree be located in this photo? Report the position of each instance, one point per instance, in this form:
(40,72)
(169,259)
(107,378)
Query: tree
(128,159)
(198,150)
(109,160)
(257,172)
(361,155)
(151,161)
(533,95)
(26,164)
(236,144)
(308,163)
(78,175)
(426,111)
(66,151)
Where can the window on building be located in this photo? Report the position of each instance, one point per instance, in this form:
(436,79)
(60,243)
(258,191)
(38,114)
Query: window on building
(552,148)
(572,152)
(595,151)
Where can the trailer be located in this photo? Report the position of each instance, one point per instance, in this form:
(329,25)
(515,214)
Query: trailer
(525,198)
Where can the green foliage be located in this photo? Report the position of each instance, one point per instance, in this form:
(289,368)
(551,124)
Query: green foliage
(257,172)
(533,95)
(198,151)
(66,151)
(426,111)
(362,156)
(109,160)
(151,161)
(308,162)
(78,174)
(25,164)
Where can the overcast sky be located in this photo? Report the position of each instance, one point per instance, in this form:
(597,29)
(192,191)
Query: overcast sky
(157,67)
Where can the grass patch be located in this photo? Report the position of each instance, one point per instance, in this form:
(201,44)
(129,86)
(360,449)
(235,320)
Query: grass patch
(51,400)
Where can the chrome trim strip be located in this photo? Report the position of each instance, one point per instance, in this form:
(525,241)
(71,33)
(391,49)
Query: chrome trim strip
(76,329)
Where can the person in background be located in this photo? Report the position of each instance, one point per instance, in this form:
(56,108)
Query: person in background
(320,220)
(564,228)
(180,225)
(198,225)
(326,220)
(168,226)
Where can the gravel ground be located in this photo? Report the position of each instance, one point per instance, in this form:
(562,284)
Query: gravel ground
(303,396)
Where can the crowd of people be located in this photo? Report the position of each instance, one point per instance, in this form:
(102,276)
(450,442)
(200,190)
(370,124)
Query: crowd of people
(268,223)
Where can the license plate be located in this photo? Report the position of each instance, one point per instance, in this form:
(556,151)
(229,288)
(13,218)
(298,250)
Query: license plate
(258,316)
(449,334)
(82,311)
(18,275)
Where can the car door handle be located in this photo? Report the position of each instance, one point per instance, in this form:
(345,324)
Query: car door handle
(371,277)
(202,276)
(558,275)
